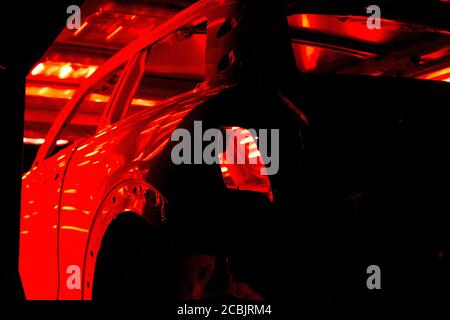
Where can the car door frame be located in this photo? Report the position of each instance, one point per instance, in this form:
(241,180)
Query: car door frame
(124,56)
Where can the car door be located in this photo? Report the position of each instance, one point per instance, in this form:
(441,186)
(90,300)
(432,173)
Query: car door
(38,263)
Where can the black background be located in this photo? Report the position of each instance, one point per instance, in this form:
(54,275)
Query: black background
(27,29)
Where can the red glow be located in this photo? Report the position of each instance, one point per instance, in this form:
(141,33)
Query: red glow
(249,174)
(309,54)
(39,141)
(58,93)
(311,57)
(63,70)
(49,92)
(305,21)
(346,26)
(36,141)
(38,69)
(144,102)
(112,34)
(74,229)
(440,75)
(81,28)
(435,55)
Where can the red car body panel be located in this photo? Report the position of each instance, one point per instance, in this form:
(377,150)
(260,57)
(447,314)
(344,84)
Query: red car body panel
(113,164)
(96,170)
(67,199)
(38,227)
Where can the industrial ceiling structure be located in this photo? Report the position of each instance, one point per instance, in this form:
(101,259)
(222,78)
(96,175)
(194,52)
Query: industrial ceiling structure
(106,27)
(328,43)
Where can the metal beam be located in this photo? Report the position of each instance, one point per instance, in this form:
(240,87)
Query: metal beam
(431,13)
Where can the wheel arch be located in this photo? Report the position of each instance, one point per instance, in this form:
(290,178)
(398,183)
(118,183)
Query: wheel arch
(131,198)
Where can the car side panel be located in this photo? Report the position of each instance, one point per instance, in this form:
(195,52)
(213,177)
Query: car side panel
(105,164)
(38,263)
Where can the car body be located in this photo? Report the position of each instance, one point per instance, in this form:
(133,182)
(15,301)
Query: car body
(330,125)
